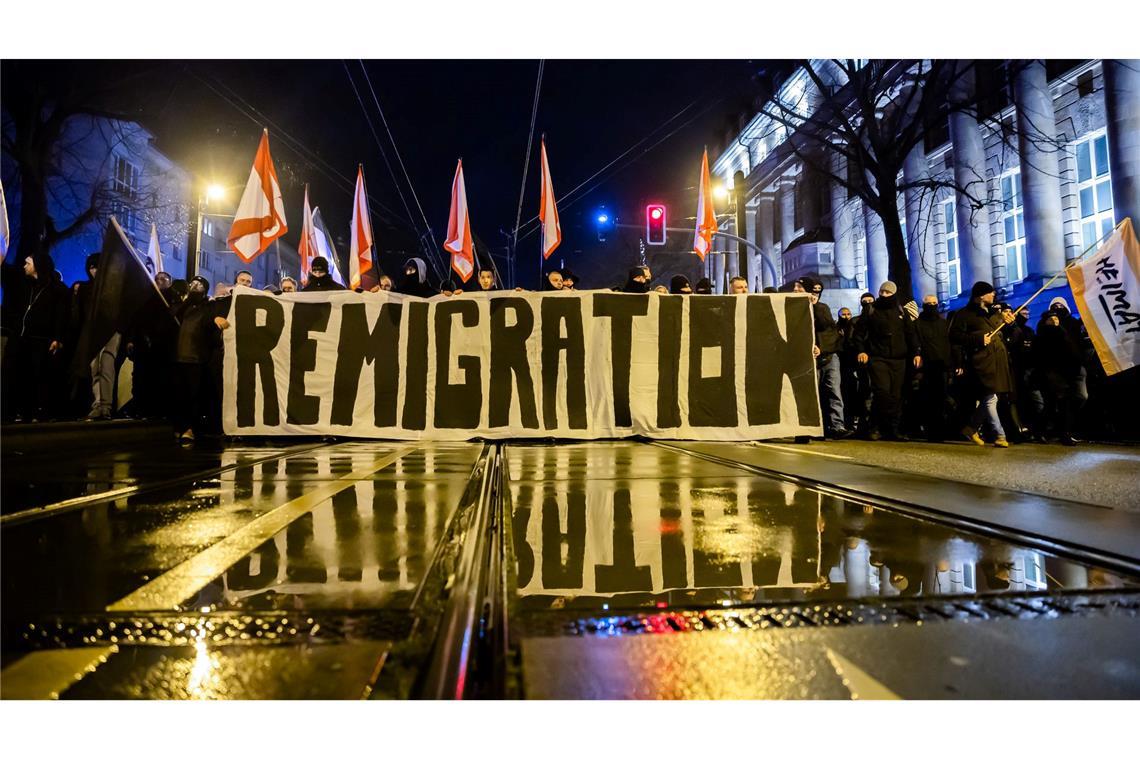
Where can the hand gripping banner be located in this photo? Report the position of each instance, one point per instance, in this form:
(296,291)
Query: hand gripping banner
(589,364)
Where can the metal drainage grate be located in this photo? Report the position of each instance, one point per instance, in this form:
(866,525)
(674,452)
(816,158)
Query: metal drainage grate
(820,615)
(217,629)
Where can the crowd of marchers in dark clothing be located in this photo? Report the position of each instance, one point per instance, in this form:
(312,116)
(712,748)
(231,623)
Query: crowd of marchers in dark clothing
(892,371)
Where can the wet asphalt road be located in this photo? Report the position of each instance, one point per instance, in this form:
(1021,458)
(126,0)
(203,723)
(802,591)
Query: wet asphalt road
(632,571)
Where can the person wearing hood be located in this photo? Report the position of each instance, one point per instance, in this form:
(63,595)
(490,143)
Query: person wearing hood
(319,277)
(636,282)
(1057,361)
(976,333)
(1080,336)
(552,280)
(885,342)
(415,282)
(703,287)
(679,285)
(569,280)
(39,309)
(827,362)
(934,341)
(193,346)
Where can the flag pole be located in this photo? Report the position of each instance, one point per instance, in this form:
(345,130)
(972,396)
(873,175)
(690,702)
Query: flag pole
(1057,276)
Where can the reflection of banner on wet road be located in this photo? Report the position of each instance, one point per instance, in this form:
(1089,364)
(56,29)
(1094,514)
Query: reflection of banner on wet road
(649,537)
(507,365)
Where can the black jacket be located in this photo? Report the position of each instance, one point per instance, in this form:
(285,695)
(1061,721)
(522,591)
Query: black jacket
(826,334)
(37,308)
(884,331)
(933,337)
(1056,350)
(317,284)
(196,333)
(988,365)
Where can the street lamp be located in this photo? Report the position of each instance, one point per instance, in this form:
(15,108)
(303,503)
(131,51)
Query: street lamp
(215,192)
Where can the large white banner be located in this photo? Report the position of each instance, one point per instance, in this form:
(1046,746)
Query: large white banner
(1106,287)
(589,364)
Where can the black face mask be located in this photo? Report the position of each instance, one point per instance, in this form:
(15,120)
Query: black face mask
(842,321)
(930,309)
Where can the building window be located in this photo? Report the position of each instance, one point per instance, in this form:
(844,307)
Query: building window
(1013,220)
(175,253)
(126,180)
(1094,187)
(953,265)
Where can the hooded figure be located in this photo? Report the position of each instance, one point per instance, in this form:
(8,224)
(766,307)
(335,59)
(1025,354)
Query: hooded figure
(679,285)
(569,280)
(319,277)
(635,282)
(703,287)
(36,312)
(415,279)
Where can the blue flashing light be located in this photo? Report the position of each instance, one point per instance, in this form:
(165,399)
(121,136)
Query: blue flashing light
(602,218)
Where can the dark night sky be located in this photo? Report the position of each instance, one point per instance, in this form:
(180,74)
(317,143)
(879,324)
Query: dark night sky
(590,110)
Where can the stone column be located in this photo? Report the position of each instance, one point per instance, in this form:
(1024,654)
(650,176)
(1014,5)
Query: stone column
(765,229)
(754,264)
(787,191)
(876,247)
(970,174)
(1122,110)
(1040,174)
(841,226)
(919,203)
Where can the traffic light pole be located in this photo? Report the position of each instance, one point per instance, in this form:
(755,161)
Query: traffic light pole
(742,241)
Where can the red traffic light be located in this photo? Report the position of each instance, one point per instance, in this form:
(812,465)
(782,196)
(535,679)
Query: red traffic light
(655,224)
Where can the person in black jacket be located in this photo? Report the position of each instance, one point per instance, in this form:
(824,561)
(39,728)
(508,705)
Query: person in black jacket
(827,362)
(975,331)
(194,345)
(319,278)
(38,306)
(415,279)
(1057,362)
(934,340)
(885,340)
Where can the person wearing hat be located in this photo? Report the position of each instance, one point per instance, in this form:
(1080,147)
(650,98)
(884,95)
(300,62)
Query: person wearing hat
(319,278)
(886,342)
(569,280)
(39,309)
(703,287)
(680,286)
(1079,335)
(826,351)
(636,282)
(975,331)
(933,382)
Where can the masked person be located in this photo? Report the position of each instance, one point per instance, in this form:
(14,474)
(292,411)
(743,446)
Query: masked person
(679,285)
(933,389)
(703,287)
(975,331)
(885,341)
(1057,365)
(569,280)
(636,281)
(826,351)
(415,279)
(319,277)
(197,332)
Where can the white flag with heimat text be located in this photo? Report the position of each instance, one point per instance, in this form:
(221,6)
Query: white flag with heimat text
(1106,288)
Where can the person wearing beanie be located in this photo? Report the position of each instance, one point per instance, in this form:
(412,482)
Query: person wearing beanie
(933,382)
(826,351)
(680,286)
(975,332)
(569,280)
(703,287)
(319,277)
(39,310)
(636,282)
(886,342)
(193,346)
(1077,333)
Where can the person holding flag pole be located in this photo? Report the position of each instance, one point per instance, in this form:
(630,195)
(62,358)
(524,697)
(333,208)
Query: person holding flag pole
(548,212)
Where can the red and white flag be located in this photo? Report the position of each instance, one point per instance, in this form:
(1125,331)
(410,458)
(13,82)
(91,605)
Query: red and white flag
(308,247)
(459,229)
(260,217)
(360,237)
(706,215)
(548,211)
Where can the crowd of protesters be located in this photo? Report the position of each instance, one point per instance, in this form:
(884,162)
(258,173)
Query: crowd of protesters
(893,371)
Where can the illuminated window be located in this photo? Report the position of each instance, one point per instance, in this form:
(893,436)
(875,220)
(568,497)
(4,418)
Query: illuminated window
(953,265)
(1013,221)
(126,178)
(1094,187)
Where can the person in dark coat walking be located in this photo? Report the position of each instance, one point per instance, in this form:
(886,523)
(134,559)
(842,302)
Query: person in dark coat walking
(975,332)
(886,341)
(1057,366)
(38,306)
(934,339)
(827,362)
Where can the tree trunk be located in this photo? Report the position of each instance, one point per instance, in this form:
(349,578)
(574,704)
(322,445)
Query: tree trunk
(897,263)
